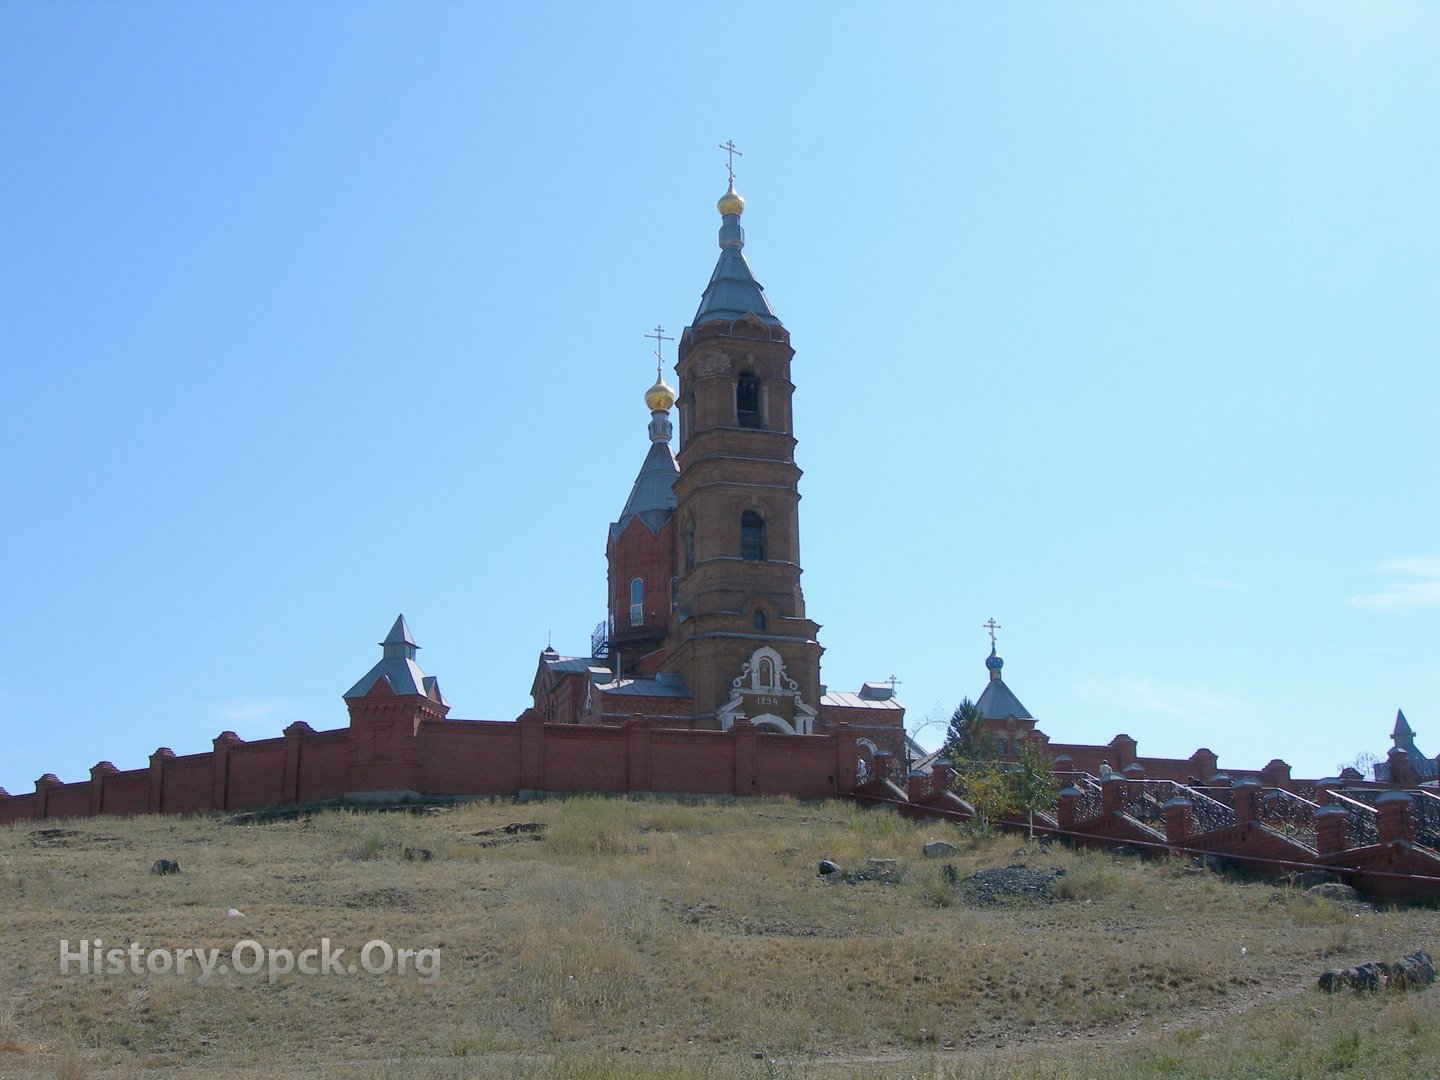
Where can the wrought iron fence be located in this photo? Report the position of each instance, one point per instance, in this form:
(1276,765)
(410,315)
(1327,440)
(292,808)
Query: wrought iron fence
(1425,806)
(1361,828)
(1427,818)
(1089,805)
(1288,813)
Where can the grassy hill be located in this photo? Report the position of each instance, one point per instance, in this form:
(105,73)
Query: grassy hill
(662,939)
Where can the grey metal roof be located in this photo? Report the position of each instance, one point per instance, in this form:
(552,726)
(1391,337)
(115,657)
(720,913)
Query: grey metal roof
(998,703)
(578,665)
(397,666)
(652,496)
(660,688)
(733,290)
(840,699)
(924,763)
(1402,726)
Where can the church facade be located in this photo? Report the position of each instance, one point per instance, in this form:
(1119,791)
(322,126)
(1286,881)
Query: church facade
(707,625)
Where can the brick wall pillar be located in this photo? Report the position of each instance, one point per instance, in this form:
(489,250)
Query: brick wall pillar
(1112,795)
(1204,764)
(1244,797)
(943,772)
(1179,820)
(1122,751)
(98,772)
(1401,773)
(220,769)
(847,754)
(637,754)
(1330,835)
(1323,788)
(532,751)
(883,763)
(293,736)
(1068,811)
(43,787)
(157,778)
(1394,817)
(743,732)
(1276,774)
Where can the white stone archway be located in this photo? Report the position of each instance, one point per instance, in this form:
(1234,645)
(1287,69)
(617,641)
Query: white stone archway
(765,720)
(763,682)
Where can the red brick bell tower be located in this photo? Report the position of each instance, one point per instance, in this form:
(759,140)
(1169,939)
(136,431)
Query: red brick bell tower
(740,638)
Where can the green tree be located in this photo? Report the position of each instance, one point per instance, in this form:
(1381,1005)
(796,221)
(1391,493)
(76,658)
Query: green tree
(986,787)
(965,738)
(1032,783)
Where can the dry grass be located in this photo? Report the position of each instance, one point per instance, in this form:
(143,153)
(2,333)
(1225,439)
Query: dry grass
(672,939)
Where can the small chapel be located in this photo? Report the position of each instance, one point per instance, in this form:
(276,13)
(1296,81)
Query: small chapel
(706,624)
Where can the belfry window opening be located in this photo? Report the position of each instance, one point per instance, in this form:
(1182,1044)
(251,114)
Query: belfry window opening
(747,400)
(752,537)
(637,602)
(759,619)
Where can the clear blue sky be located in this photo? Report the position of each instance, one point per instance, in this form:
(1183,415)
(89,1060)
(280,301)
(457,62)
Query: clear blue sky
(1116,322)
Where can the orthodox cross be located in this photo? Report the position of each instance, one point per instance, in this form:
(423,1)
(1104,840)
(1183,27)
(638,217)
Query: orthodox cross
(659,335)
(992,626)
(894,682)
(729,147)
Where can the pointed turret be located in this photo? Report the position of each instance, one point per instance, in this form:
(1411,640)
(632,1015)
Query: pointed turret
(399,643)
(1402,728)
(641,560)
(733,291)
(397,667)
(998,702)
(652,496)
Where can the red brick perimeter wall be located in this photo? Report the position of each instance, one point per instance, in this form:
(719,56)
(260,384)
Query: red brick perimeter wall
(452,758)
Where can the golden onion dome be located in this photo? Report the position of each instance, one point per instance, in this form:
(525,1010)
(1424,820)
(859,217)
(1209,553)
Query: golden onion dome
(731,202)
(659,398)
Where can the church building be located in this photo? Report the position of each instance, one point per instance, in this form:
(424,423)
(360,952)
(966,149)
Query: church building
(707,626)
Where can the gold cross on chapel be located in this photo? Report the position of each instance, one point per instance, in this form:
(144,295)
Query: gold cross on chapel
(659,335)
(992,626)
(729,147)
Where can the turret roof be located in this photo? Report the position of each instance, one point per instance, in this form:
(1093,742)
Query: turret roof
(397,667)
(998,702)
(652,497)
(733,290)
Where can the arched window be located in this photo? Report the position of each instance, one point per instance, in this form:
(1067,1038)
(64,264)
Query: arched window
(689,548)
(752,536)
(637,602)
(747,400)
(761,622)
(766,674)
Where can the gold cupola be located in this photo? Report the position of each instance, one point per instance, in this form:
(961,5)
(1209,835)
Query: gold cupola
(659,398)
(731,202)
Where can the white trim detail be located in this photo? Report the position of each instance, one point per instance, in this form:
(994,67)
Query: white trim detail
(764,673)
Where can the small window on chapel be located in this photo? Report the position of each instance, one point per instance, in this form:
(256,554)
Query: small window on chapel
(637,602)
(752,537)
(747,400)
(760,620)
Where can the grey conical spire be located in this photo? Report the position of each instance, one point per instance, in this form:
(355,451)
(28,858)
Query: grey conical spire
(652,496)
(398,668)
(733,290)
(1402,727)
(399,643)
